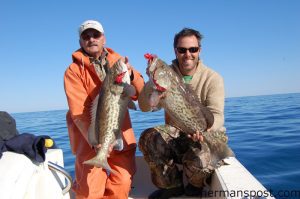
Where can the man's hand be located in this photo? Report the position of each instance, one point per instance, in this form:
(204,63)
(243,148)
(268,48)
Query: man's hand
(196,137)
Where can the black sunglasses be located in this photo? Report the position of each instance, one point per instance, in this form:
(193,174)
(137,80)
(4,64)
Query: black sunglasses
(183,50)
(86,36)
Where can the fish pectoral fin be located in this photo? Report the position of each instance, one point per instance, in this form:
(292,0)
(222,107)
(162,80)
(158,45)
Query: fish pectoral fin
(129,90)
(93,137)
(131,105)
(154,98)
(119,145)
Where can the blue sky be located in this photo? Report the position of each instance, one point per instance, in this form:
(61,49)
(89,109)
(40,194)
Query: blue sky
(254,45)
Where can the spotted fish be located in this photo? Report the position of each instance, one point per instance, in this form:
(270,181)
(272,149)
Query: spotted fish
(108,112)
(183,106)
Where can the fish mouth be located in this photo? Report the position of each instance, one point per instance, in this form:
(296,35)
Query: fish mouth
(152,59)
(119,78)
(158,87)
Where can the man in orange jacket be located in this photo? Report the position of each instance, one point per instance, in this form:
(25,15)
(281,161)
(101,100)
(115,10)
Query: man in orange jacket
(82,81)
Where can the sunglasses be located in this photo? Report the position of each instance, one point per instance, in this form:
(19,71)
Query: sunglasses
(183,50)
(86,36)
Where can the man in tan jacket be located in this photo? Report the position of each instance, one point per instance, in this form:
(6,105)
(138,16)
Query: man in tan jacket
(163,152)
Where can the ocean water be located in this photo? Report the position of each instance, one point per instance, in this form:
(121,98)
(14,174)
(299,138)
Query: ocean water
(264,133)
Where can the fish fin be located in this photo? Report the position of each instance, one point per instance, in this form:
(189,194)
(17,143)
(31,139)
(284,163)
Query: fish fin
(99,163)
(201,110)
(129,90)
(219,149)
(209,117)
(111,171)
(229,152)
(119,145)
(132,105)
(92,135)
(154,99)
(224,152)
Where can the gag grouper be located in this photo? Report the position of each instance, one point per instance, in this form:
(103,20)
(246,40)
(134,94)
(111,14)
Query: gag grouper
(181,104)
(108,112)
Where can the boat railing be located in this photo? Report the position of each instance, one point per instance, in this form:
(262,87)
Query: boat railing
(54,167)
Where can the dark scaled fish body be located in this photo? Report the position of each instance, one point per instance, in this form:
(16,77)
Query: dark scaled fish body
(181,104)
(108,113)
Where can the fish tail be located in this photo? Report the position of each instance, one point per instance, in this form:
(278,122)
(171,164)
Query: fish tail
(224,152)
(99,163)
(229,152)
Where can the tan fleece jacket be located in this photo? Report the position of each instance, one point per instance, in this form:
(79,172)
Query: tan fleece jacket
(209,87)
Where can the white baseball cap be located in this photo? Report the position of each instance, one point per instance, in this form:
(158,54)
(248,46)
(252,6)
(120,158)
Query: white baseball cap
(90,24)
